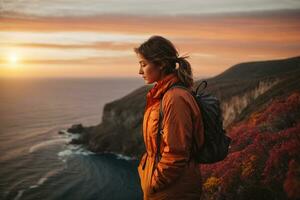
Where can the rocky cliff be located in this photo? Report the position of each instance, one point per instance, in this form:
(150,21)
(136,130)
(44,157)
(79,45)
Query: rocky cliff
(242,89)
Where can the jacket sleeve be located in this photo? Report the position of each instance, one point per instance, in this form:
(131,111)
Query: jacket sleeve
(177,130)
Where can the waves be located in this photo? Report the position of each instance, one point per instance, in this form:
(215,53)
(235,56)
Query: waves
(38,163)
(46,144)
(46,176)
(73,150)
(42,180)
(80,174)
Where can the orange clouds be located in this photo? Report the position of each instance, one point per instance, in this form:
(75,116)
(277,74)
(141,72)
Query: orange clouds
(214,42)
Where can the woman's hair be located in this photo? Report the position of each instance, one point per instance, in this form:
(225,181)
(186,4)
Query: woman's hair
(161,52)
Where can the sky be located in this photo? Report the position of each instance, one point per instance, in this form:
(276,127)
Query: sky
(95,38)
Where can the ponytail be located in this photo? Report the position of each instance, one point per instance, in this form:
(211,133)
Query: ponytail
(184,71)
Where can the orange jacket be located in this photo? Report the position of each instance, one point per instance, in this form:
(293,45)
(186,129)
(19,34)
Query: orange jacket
(172,177)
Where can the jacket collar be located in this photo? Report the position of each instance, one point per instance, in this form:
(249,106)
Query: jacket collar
(156,93)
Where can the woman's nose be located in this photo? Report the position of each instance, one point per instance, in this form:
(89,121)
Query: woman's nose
(141,71)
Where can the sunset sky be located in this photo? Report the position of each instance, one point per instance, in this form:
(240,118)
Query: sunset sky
(95,38)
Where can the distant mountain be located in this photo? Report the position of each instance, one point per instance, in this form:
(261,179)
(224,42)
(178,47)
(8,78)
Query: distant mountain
(242,89)
(260,69)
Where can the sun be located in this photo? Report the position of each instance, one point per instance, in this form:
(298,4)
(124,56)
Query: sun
(13,58)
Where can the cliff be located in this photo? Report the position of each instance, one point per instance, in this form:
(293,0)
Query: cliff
(242,89)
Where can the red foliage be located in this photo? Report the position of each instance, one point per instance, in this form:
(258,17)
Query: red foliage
(288,147)
(292,181)
(260,158)
(278,108)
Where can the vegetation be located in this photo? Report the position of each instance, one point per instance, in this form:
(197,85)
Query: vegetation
(264,159)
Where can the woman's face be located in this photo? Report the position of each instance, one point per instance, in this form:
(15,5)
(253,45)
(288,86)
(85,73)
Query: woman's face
(149,71)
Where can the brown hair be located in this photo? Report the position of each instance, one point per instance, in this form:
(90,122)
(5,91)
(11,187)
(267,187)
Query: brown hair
(161,52)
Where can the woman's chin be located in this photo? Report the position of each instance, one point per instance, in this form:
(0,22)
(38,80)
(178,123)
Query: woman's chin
(147,81)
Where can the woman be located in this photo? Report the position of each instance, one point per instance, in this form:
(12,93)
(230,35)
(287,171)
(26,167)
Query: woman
(173,177)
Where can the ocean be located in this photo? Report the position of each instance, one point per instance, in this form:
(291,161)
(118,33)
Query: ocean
(38,163)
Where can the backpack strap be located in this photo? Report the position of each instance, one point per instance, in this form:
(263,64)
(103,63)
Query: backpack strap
(159,133)
(205,85)
(160,130)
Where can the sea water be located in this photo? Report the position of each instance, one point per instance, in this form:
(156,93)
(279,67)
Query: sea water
(38,163)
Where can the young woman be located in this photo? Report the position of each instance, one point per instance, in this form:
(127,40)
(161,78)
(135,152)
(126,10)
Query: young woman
(175,175)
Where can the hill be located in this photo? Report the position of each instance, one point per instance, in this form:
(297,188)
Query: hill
(261,109)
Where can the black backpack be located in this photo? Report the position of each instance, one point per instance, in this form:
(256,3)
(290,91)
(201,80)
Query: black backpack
(216,142)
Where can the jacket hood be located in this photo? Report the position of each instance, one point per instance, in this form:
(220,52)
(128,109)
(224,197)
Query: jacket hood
(160,88)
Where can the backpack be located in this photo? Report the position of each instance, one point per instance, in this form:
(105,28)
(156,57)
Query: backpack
(216,142)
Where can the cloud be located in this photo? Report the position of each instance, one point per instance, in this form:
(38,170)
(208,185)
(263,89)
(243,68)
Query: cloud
(213,41)
(64,8)
(94,45)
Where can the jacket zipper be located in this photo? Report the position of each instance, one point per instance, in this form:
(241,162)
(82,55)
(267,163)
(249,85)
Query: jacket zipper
(144,164)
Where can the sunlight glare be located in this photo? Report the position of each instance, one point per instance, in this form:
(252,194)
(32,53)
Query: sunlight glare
(13,58)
